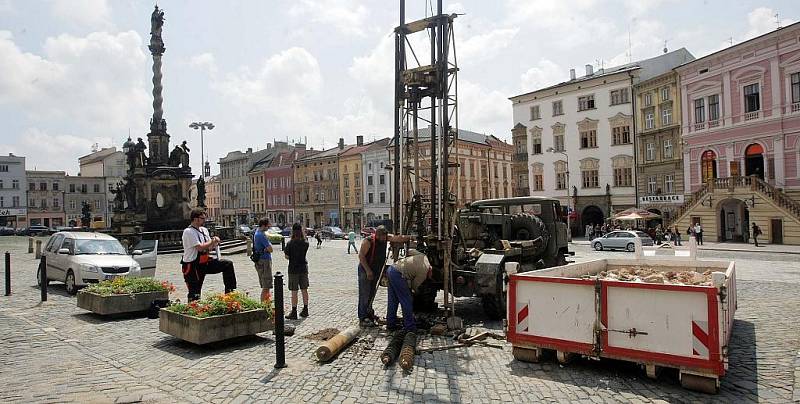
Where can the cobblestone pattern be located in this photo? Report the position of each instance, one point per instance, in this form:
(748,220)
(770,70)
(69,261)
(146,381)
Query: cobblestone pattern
(55,352)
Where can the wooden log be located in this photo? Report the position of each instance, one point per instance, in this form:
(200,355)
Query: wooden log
(333,346)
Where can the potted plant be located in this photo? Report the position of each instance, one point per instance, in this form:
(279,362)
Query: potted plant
(123,295)
(216,317)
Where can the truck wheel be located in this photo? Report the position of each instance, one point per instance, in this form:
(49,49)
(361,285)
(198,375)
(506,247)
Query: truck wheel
(525,226)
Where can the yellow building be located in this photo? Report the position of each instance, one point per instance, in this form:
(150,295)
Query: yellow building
(316,187)
(351,208)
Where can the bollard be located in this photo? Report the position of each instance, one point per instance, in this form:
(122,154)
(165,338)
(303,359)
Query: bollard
(8,273)
(30,245)
(280,348)
(249,247)
(38,249)
(43,279)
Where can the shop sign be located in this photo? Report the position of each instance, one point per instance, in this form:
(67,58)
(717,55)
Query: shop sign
(13,212)
(661,199)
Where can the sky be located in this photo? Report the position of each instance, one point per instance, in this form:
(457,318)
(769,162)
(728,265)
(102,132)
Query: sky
(74,73)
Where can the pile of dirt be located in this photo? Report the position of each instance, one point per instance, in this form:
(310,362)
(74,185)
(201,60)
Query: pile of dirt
(651,275)
(322,335)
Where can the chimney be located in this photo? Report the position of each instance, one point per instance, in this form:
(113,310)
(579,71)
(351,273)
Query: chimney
(269,146)
(249,150)
(300,146)
(589,70)
(359,140)
(341,143)
(572,74)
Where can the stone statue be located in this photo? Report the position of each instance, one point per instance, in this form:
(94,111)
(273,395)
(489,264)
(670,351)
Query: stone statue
(574,190)
(130,154)
(201,192)
(119,198)
(185,155)
(141,157)
(130,193)
(175,157)
(156,24)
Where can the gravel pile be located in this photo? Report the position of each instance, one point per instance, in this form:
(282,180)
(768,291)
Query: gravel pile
(651,275)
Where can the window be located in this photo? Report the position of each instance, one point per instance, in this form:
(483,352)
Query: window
(31,203)
(590,179)
(561,174)
(382,179)
(535,113)
(14,184)
(795,89)
(586,102)
(649,119)
(97,205)
(383,197)
(666,116)
(2,202)
(370,180)
(55,186)
(83,188)
(652,184)
(588,139)
(713,107)
(669,183)
(621,135)
(536,141)
(14,201)
(751,98)
(371,197)
(708,165)
(664,94)
(699,111)
(648,99)
(71,187)
(96,188)
(667,148)
(558,108)
(31,186)
(558,141)
(1,184)
(346,178)
(619,96)
(55,203)
(623,171)
(650,151)
(3,168)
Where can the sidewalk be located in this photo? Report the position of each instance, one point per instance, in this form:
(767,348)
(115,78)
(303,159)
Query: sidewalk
(740,247)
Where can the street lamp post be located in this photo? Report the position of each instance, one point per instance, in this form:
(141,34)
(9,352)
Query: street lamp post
(202,126)
(569,198)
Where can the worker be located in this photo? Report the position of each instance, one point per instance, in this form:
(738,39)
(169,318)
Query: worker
(371,259)
(405,277)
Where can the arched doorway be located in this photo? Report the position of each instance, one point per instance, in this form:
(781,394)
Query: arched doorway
(592,215)
(733,218)
(708,165)
(654,222)
(754,160)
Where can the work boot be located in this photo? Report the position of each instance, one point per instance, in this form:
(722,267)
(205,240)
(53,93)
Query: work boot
(293,314)
(304,312)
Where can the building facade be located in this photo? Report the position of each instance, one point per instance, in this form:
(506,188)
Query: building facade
(378,194)
(316,191)
(741,128)
(235,186)
(88,190)
(581,138)
(13,186)
(109,164)
(352,185)
(45,197)
(659,166)
(212,198)
(279,177)
(519,166)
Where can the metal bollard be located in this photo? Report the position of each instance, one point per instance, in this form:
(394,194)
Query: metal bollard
(280,348)
(30,245)
(8,273)
(43,279)
(38,249)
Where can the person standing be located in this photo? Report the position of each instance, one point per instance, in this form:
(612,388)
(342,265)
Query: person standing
(756,233)
(351,241)
(405,276)
(196,262)
(698,233)
(371,259)
(263,247)
(677,235)
(318,236)
(295,252)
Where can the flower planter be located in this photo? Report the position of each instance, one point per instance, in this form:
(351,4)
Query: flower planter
(119,304)
(216,328)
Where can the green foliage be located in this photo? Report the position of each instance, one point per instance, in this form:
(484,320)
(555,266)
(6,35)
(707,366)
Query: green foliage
(128,285)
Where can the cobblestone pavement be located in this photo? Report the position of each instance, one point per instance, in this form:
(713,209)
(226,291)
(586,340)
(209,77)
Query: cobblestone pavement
(55,352)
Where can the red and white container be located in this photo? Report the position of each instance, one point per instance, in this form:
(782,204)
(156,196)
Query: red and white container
(685,327)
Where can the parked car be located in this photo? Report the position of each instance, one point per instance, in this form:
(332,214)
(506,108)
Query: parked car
(367,231)
(35,230)
(274,234)
(80,258)
(7,231)
(310,232)
(287,231)
(245,230)
(333,232)
(621,239)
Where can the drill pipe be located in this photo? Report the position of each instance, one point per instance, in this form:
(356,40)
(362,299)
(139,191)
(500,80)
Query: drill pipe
(408,351)
(331,347)
(393,349)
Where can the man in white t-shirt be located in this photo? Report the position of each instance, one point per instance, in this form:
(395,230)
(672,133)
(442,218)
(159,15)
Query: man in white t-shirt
(196,262)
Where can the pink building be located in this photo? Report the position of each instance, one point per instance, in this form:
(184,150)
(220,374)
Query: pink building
(279,186)
(741,131)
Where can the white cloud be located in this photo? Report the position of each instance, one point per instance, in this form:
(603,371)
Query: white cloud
(45,150)
(544,74)
(347,16)
(205,62)
(94,14)
(486,45)
(763,20)
(484,110)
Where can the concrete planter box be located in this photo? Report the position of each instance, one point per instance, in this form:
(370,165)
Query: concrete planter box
(212,329)
(119,304)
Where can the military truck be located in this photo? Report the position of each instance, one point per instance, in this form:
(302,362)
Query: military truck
(526,232)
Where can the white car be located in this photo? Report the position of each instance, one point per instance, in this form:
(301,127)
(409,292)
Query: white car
(80,258)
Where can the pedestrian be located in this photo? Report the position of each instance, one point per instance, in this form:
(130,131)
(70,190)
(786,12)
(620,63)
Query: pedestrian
(295,252)
(405,276)
(318,236)
(588,231)
(351,241)
(371,260)
(756,233)
(677,235)
(698,233)
(196,262)
(263,248)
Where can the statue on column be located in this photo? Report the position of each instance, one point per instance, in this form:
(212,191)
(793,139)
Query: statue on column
(141,157)
(185,155)
(119,198)
(201,192)
(130,193)
(175,157)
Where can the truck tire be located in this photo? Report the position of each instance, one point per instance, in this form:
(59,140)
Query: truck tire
(525,226)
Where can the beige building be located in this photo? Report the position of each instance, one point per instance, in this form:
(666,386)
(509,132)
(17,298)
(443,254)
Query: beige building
(519,165)
(89,190)
(45,197)
(212,198)
(351,186)
(109,164)
(659,178)
(316,179)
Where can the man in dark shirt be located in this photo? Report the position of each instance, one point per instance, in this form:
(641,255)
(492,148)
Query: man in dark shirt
(371,259)
(295,252)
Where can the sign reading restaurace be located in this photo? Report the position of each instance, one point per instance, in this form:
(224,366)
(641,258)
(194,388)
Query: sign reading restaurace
(13,212)
(656,199)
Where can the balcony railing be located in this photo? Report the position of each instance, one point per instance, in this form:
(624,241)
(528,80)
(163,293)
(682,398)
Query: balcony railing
(713,124)
(699,126)
(796,107)
(749,116)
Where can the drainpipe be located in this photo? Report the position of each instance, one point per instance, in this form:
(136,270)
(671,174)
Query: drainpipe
(635,146)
